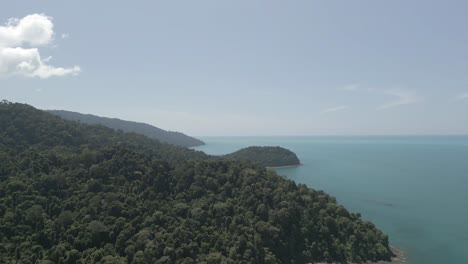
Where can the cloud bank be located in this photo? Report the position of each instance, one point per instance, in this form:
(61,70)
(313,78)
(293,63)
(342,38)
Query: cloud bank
(32,31)
(404,97)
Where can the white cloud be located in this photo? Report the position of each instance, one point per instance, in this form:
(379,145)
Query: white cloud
(35,31)
(350,87)
(335,109)
(355,88)
(404,97)
(65,35)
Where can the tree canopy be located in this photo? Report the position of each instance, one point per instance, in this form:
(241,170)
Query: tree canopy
(75,193)
(171,137)
(266,156)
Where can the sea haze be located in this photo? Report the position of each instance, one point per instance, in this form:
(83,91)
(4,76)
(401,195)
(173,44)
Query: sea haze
(414,188)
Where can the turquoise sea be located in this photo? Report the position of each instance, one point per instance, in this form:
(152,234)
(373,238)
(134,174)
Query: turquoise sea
(414,188)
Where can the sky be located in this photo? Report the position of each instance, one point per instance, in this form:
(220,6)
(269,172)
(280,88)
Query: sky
(244,67)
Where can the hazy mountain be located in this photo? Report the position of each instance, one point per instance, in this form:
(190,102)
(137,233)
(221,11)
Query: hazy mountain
(171,137)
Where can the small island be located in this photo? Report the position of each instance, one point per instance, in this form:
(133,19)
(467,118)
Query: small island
(269,157)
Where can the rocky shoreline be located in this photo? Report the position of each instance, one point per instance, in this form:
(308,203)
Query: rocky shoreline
(283,167)
(399,258)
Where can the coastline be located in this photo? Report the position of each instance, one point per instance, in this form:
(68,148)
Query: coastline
(399,258)
(283,167)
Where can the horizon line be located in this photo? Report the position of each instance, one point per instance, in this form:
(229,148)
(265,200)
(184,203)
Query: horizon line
(342,135)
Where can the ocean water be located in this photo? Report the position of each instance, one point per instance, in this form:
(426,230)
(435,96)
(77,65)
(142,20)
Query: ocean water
(413,188)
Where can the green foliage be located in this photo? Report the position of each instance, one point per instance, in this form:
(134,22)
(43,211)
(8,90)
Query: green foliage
(150,131)
(29,132)
(266,156)
(74,193)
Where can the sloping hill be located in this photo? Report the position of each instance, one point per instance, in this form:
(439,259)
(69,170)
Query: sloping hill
(77,193)
(266,156)
(175,138)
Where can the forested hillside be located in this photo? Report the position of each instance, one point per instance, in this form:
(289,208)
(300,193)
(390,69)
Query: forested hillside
(150,131)
(75,193)
(266,156)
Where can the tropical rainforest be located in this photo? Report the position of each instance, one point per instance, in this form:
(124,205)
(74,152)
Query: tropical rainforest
(266,156)
(150,131)
(79,193)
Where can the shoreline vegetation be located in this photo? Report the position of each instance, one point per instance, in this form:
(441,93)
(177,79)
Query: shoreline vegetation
(87,193)
(399,258)
(283,167)
(165,136)
(266,156)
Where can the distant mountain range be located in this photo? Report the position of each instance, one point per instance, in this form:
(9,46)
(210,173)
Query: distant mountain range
(175,138)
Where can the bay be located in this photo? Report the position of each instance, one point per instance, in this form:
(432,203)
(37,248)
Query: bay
(414,188)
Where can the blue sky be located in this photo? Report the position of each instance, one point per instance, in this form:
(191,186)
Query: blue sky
(246,67)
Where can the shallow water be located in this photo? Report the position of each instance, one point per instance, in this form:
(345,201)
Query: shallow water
(413,188)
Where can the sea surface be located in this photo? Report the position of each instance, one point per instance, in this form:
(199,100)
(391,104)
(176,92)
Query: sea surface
(414,188)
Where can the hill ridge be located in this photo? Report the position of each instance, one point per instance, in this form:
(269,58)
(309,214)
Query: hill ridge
(78,193)
(151,131)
